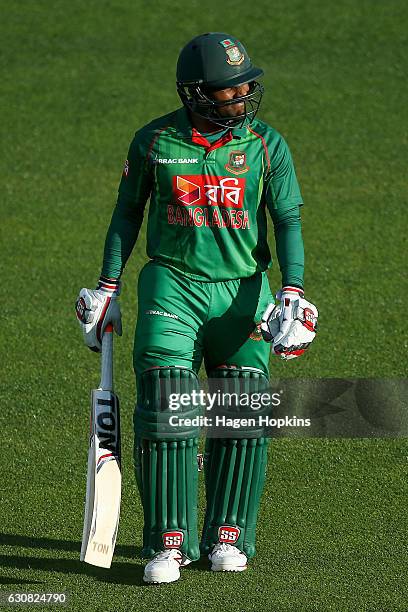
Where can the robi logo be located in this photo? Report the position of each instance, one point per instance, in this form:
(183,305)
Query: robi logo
(228,535)
(173,539)
(206,190)
(188,192)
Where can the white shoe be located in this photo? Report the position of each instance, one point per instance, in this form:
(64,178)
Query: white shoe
(165,566)
(227,558)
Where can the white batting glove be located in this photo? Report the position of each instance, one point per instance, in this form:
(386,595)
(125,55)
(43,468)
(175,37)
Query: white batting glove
(291,324)
(96,308)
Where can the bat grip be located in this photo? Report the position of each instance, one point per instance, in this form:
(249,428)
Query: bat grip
(107,359)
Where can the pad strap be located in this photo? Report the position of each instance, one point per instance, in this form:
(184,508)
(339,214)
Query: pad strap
(153,413)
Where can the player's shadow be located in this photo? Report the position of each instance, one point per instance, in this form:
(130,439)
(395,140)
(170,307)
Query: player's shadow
(119,573)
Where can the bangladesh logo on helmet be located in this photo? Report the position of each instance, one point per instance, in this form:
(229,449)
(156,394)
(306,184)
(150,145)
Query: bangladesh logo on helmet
(235,57)
(237,163)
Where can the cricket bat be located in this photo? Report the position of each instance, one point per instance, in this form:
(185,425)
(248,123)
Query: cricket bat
(104,478)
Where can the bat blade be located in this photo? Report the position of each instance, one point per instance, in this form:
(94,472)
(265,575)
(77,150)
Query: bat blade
(104,480)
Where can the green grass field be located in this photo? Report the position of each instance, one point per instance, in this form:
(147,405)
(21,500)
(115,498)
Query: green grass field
(77,80)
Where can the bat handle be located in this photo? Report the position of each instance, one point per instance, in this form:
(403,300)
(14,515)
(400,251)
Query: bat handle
(107,359)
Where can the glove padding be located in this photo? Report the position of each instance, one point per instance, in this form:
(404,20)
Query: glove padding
(95,308)
(291,324)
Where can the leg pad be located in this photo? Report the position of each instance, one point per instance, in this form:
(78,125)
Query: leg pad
(166,464)
(235,472)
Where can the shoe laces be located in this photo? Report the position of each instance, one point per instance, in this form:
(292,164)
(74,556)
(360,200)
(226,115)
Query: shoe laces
(171,553)
(227,548)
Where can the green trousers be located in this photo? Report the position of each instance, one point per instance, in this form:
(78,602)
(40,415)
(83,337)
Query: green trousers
(183,321)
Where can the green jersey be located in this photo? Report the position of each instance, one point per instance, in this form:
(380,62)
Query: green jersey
(208,201)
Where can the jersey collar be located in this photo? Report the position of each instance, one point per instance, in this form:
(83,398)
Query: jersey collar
(201,140)
(185,130)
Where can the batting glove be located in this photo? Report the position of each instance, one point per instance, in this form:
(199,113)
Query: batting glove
(291,324)
(96,308)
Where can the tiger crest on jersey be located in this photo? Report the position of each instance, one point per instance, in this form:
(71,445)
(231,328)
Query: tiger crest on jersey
(237,163)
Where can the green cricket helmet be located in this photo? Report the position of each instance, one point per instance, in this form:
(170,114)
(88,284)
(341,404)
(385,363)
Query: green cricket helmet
(215,61)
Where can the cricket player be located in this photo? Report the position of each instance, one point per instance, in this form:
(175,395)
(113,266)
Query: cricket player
(213,173)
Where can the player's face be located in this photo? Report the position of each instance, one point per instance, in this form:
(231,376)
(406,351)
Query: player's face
(232,110)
